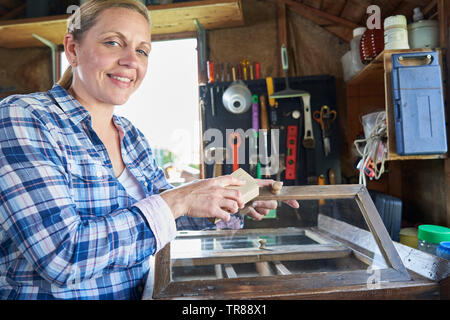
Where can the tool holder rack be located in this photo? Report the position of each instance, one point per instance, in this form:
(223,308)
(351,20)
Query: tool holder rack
(310,162)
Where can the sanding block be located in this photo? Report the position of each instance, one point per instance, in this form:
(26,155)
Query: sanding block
(249,190)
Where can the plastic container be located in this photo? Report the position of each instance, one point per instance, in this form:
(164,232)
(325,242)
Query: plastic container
(430,236)
(423,34)
(443,250)
(357,65)
(346,61)
(395,33)
(408,237)
(371,45)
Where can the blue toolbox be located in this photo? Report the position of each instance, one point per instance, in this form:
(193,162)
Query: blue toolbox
(418,104)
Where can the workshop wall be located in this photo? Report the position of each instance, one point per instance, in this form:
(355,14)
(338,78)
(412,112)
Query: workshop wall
(313,51)
(24,70)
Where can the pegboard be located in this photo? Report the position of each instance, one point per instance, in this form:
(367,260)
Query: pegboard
(310,162)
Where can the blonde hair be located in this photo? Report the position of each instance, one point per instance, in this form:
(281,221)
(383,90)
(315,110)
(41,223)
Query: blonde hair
(85,18)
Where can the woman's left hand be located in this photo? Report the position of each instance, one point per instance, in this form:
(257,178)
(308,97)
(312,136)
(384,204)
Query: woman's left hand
(258,209)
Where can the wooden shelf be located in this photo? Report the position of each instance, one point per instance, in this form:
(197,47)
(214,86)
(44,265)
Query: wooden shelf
(370,91)
(166,19)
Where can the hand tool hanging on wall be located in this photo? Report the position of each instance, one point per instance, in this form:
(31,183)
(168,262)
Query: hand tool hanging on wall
(237,98)
(211,72)
(291,153)
(253,146)
(321,182)
(272,102)
(213,107)
(235,140)
(257,70)
(325,118)
(308,138)
(263,131)
(244,66)
(218,156)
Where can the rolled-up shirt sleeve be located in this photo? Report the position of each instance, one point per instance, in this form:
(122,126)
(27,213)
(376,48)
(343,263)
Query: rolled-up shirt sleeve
(160,219)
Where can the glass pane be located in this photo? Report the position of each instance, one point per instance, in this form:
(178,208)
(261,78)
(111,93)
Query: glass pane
(323,236)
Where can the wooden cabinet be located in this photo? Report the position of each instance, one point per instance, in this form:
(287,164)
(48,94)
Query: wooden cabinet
(371,90)
(422,181)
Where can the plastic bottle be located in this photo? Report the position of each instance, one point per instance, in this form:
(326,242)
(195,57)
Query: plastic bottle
(430,236)
(443,250)
(357,65)
(372,44)
(346,61)
(395,33)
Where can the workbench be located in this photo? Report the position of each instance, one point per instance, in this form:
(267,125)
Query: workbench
(347,255)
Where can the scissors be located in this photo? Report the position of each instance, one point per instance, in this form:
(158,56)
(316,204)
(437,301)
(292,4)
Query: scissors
(325,118)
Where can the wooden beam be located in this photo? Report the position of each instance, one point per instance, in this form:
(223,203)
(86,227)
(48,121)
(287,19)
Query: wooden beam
(166,19)
(444,8)
(281,34)
(307,11)
(342,32)
(432,4)
(14,13)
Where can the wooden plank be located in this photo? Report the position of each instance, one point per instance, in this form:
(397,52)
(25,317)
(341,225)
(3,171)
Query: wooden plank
(263,269)
(311,192)
(14,13)
(430,6)
(309,11)
(443,23)
(281,34)
(281,268)
(229,271)
(447,80)
(288,286)
(280,253)
(379,232)
(422,263)
(162,270)
(239,233)
(166,19)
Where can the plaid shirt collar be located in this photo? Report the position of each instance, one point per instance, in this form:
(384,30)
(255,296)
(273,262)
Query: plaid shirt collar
(71,107)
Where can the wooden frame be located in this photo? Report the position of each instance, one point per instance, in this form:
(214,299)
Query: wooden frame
(284,284)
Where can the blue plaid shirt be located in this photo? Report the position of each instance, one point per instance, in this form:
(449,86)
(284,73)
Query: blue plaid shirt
(68,228)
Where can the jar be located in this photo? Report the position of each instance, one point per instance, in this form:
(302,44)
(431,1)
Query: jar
(371,44)
(423,34)
(443,250)
(395,33)
(430,236)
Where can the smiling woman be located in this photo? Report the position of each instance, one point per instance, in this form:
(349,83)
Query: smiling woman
(83,208)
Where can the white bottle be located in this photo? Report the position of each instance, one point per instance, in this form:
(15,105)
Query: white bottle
(357,65)
(395,33)
(418,15)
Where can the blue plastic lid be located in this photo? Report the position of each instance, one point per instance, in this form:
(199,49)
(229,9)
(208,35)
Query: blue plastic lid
(443,249)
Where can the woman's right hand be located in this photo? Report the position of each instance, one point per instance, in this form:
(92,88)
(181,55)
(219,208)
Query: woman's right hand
(207,198)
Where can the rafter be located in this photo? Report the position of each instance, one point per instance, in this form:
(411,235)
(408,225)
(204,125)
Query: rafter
(307,11)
